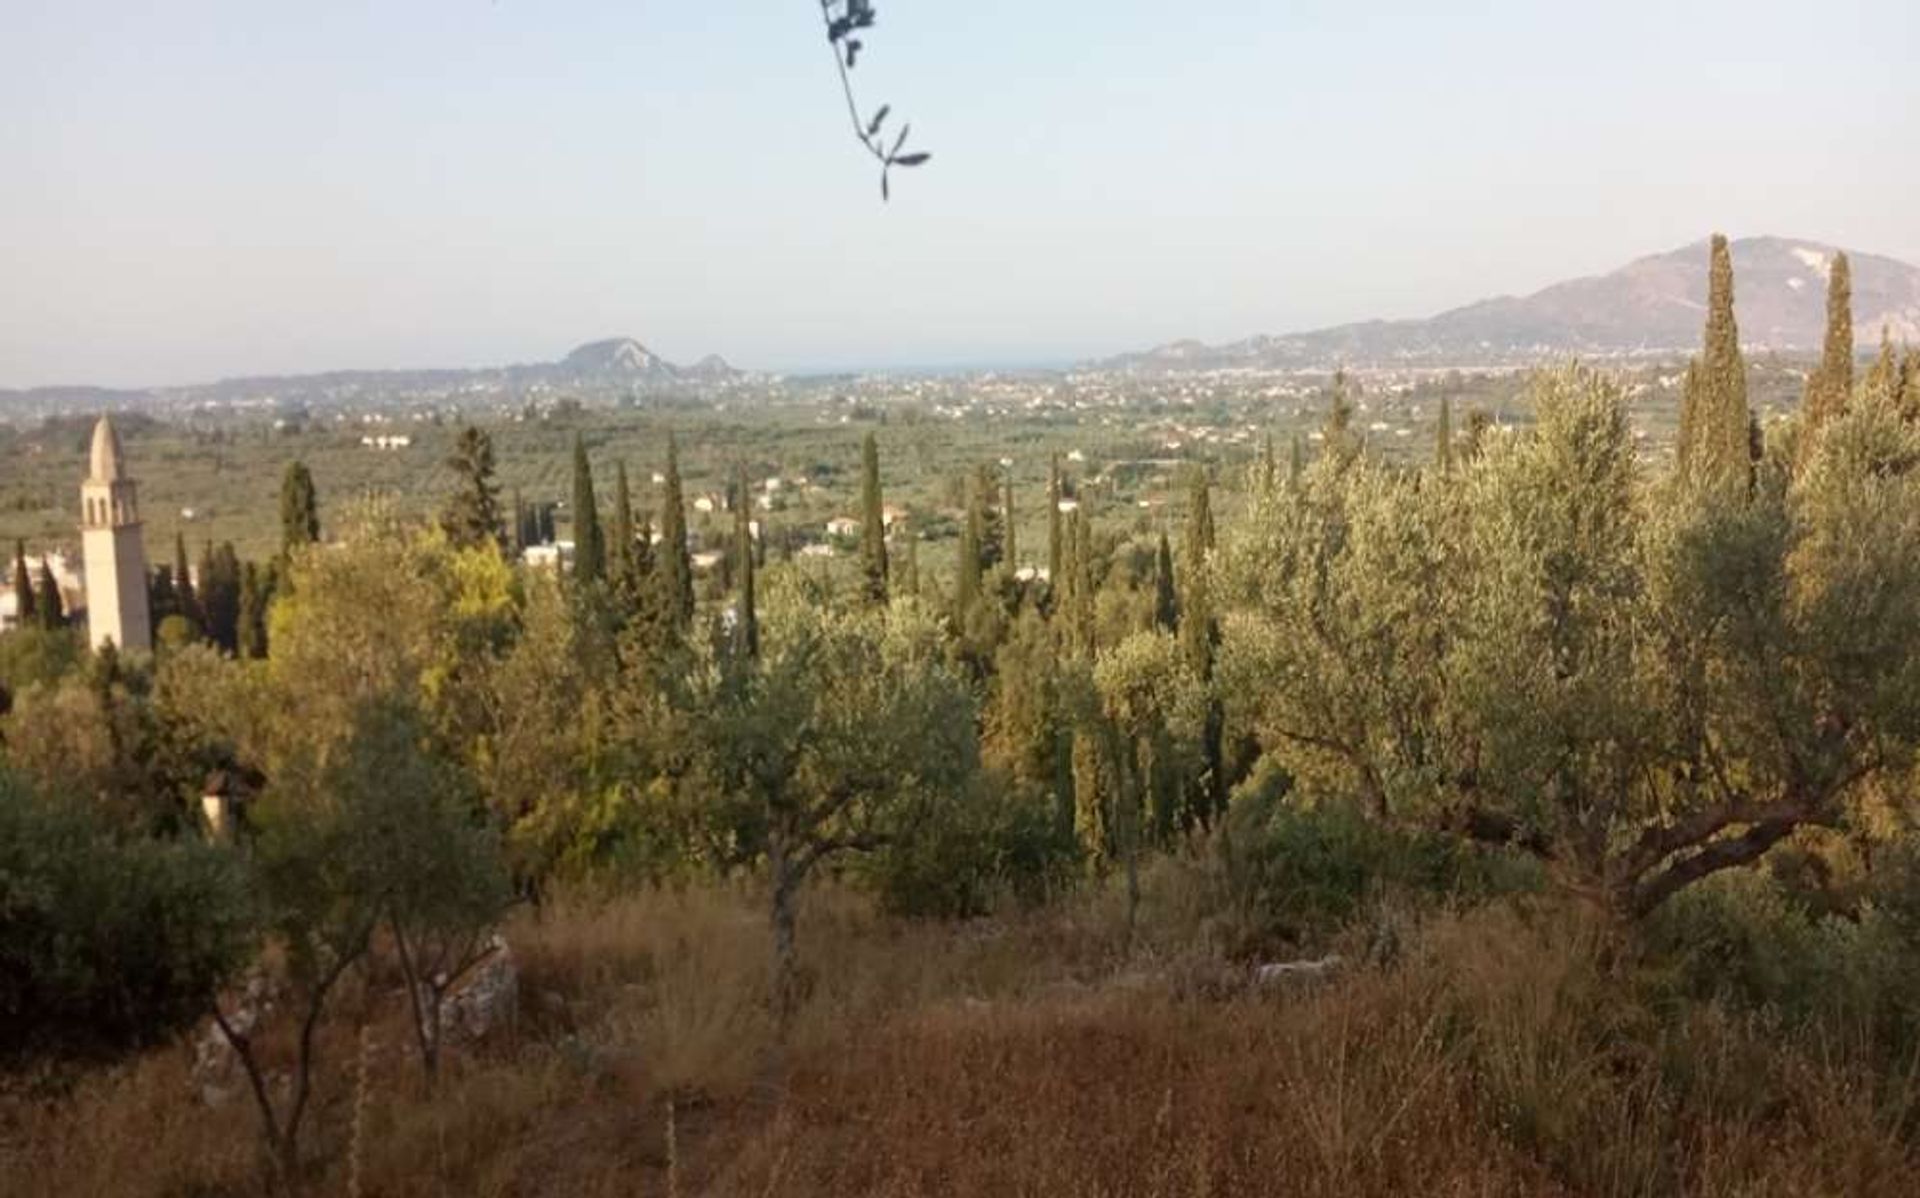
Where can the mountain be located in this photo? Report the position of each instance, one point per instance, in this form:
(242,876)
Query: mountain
(1654,306)
(615,365)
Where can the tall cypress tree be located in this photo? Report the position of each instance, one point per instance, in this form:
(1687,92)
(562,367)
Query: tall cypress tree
(1690,400)
(1832,382)
(472,515)
(1081,626)
(1199,635)
(1443,436)
(251,632)
(911,567)
(220,595)
(1883,377)
(589,547)
(23,596)
(1054,545)
(1715,422)
(746,624)
(967,584)
(674,563)
(1010,523)
(50,608)
(873,523)
(624,561)
(1166,611)
(299,508)
(183,588)
(1910,385)
(1296,462)
(1729,437)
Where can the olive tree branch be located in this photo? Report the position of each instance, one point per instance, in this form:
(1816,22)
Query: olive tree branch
(845,18)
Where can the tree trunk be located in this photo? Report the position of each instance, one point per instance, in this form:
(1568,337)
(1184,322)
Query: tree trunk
(786,886)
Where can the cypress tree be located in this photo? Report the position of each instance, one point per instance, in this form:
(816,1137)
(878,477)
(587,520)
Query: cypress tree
(251,632)
(519,523)
(1166,612)
(1683,443)
(991,543)
(967,585)
(1337,430)
(873,523)
(1832,382)
(1715,441)
(1053,525)
(746,625)
(589,546)
(299,508)
(1910,385)
(1268,475)
(163,598)
(624,563)
(1296,462)
(675,564)
(50,607)
(1199,635)
(472,516)
(183,589)
(1007,518)
(911,569)
(1883,378)
(1199,514)
(220,595)
(1443,437)
(23,596)
(1082,624)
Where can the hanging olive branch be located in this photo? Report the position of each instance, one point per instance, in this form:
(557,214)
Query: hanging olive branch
(845,19)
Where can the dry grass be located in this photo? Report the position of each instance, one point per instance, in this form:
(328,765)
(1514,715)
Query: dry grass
(1504,1053)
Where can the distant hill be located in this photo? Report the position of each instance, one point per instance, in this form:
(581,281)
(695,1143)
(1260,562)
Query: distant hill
(1653,306)
(615,364)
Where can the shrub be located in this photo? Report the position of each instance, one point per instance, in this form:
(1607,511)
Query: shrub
(1294,872)
(958,859)
(106,944)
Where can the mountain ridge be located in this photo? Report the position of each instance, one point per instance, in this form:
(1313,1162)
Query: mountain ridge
(611,361)
(1653,305)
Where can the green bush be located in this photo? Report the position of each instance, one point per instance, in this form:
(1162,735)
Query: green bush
(1751,939)
(954,861)
(1296,872)
(106,944)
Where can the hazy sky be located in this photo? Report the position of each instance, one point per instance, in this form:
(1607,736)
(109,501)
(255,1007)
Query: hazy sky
(192,189)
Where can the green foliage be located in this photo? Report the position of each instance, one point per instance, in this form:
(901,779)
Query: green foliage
(674,564)
(1296,873)
(589,546)
(472,514)
(1652,688)
(873,528)
(107,944)
(1714,446)
(963,855)
(299,508)
(1831,384)
(23,586)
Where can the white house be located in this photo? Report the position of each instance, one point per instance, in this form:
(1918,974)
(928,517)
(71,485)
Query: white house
(843,526)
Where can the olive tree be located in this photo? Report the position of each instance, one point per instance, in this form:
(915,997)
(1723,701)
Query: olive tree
(1154,708)
(843,726)
(1643,681)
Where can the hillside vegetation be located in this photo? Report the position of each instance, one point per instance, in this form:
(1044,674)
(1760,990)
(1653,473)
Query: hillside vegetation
(1520,817)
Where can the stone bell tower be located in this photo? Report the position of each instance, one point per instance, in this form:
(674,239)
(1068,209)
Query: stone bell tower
(116,560)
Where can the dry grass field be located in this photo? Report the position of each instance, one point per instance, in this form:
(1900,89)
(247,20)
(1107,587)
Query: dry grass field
(1504,1050)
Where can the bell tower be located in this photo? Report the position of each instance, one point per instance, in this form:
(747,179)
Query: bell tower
(116,560)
